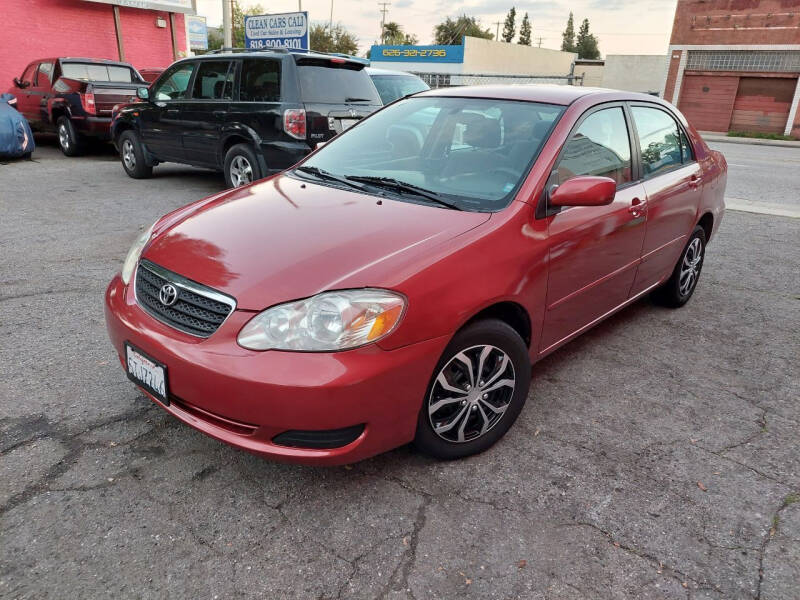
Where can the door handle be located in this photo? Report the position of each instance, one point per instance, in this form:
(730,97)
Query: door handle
(695,180)
(172,111)
(637,207)
(218,113)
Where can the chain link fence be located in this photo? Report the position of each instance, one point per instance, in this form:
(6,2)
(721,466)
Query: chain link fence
(442,80)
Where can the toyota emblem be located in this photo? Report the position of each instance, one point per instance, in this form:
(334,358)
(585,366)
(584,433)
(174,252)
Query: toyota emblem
(168,295)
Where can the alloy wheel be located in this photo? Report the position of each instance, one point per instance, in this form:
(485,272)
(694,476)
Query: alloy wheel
(471,393)
(63,136)
(690,267)
(128,155)
(241,171)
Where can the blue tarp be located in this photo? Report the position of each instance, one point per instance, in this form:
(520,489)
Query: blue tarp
(16,137)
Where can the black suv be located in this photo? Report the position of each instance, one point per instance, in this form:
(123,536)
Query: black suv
(249,113)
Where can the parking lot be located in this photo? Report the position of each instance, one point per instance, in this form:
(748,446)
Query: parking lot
(656,457)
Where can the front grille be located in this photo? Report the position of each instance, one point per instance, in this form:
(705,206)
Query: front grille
(198,310)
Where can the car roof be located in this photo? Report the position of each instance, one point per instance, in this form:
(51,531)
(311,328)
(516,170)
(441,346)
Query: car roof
(546,93)
(97,61)
(375,71)
(273,52)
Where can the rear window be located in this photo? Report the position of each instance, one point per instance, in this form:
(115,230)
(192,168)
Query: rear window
(330,83)
(91,72)
(392,87)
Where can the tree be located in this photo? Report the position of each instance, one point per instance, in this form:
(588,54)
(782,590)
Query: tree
(586,45)
(568,37)
(332,39)
(214,38)
(510,26)
(237,21)
(452,31)
(525,31)
(393,35)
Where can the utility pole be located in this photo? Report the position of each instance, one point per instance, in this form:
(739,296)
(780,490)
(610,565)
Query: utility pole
(227,18)
(330,25)
(383,11)
(299,5)
(497,35)
(540,41)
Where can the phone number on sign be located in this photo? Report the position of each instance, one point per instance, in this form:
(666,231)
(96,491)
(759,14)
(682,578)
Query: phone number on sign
(413,52)
(285,43)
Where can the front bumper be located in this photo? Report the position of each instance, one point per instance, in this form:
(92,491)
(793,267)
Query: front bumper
(247,398)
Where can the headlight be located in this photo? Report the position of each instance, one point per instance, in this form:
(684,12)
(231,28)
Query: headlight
(326,322)
(134,253)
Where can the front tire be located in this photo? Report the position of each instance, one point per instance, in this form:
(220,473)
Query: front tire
(476,392)
(241,166)
(131,153)
(69,141)
(681,285)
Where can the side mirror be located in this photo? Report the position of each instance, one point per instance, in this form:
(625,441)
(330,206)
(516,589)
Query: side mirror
(20,84)
(584,191)
(143,93)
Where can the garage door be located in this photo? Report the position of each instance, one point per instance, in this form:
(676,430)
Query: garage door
(762,104)
(707,100)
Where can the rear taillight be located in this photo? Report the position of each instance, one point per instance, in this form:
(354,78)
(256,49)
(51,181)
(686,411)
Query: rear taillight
(294,123)
(87,101)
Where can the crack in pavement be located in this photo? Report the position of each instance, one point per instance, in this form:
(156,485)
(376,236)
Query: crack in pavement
(773,529)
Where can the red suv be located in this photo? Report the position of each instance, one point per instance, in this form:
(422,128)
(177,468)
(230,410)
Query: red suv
(398,283)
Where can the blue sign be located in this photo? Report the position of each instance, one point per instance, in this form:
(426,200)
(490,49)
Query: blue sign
(289,30)
(432,54)
(198,32)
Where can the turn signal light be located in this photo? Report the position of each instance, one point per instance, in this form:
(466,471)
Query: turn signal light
(294,123)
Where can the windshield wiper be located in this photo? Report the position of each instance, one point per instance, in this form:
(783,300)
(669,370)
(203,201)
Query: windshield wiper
(348,99)
(326,175)
(402,186)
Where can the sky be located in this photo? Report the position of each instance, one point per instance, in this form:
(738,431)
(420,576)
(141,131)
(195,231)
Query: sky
(621,26)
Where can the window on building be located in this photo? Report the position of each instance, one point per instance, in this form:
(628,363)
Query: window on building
(601,147)
(659,138)
(174,83)
(260,81)
(214,81)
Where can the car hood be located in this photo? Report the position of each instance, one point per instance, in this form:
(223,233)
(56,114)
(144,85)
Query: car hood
(284,239)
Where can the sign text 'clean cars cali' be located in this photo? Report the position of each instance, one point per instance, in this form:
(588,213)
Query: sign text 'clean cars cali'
(289,30)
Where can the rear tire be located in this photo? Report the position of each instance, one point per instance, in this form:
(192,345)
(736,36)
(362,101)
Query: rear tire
(681,285)
(468,408)
(69,141)
(132,156)
(241,166)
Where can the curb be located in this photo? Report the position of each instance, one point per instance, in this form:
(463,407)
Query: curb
(715,137)
(762,208)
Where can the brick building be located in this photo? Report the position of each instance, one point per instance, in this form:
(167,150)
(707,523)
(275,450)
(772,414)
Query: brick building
(734,65)
(144,33)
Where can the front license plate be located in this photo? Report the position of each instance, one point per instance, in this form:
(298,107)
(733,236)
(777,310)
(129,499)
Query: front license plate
(347,123)
(147,372)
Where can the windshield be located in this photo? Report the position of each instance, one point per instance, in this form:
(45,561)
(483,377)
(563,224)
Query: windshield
(392,87)
(471,152)
(324,82)
(91,72)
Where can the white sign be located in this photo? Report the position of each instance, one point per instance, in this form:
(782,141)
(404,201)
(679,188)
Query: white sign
(289,30)
(182,6)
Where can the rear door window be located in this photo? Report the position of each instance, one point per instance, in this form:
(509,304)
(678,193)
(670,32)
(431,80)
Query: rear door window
(260,80)
(659,139)
(175,83)
(214,81)
(600,146)
(326,82)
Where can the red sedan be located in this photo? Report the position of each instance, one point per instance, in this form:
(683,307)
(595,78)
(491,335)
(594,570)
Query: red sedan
(398,284)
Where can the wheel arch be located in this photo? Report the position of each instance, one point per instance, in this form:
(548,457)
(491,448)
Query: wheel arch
(509,312)
(707,223)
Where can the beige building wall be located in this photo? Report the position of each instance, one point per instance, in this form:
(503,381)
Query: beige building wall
(592,74)
(636,72)
(489,56)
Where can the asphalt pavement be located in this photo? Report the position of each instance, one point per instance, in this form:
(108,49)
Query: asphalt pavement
(656,457)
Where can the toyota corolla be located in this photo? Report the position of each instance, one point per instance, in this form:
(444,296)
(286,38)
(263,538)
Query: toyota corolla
(399,283)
